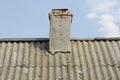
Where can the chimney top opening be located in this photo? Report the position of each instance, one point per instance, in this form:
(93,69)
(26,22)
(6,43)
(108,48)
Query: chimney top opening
(59,9)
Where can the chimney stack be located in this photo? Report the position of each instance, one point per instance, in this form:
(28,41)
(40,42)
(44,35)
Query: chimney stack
(60,25)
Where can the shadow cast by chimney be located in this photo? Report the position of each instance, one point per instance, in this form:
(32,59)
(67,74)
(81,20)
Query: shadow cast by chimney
(43,46)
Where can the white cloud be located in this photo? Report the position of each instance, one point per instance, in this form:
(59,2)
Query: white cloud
(109,14)
(117,13)
(105,6)
(108,26)
(91,16)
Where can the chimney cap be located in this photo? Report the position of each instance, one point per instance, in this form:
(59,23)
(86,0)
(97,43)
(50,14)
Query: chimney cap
(60,12)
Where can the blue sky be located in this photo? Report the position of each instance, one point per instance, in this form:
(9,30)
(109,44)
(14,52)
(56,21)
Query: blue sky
(29,18)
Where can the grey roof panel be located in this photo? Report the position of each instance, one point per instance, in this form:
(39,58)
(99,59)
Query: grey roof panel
(29,59)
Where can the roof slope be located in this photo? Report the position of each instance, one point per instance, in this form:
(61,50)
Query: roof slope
(90,59)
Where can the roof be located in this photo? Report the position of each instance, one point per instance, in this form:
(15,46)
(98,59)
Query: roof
(90,59)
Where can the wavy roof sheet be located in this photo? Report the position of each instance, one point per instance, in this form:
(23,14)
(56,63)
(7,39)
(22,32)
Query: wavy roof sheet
(90,59)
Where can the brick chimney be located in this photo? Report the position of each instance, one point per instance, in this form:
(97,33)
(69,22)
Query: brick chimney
(60,25)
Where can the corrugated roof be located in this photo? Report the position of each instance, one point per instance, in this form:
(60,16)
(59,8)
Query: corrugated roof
(90,59)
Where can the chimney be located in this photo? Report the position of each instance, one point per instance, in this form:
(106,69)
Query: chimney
(60,25)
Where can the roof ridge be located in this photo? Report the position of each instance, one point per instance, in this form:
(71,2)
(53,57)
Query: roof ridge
(97,38)
(46,39)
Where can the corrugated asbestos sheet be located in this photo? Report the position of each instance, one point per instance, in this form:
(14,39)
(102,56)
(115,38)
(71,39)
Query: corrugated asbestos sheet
(88,60)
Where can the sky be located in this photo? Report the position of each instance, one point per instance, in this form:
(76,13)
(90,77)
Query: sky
(29,18)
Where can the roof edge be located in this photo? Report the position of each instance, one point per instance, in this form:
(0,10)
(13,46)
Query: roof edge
(23,39)
(47,39)
(97,39)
